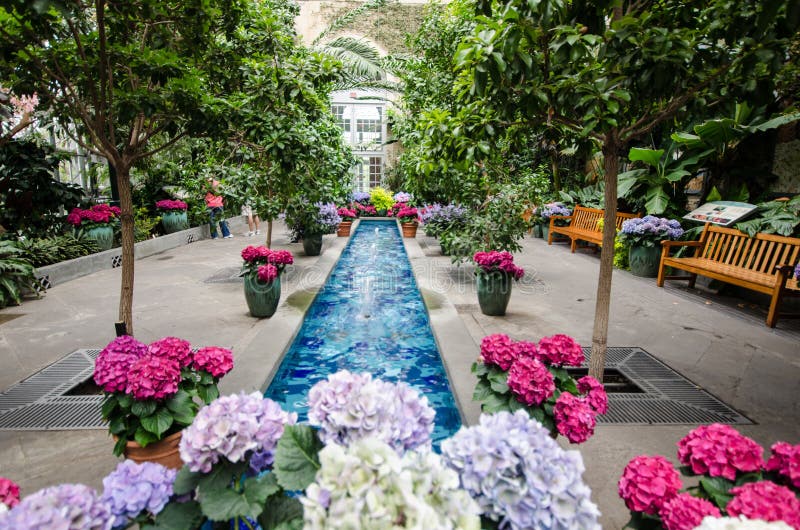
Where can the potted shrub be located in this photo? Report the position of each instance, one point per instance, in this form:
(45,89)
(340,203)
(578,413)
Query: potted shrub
(642,236)
(494,274)
(173,215)
(409,218)
(262,270)
(153,391)
(97,222)
(347,215)
(522,375)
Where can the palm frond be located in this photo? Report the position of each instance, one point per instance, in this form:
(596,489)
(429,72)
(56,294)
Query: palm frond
(347,18)
(359,57)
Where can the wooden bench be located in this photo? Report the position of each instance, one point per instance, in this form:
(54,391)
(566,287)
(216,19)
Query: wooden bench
(583,226)
(762,263)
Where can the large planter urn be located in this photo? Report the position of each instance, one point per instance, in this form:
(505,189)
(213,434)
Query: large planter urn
(174,221)
(546,230)
(644,261)
(312,244)
(409,229)
(343,230)
(262,298)
(494,292)
(537,230)
(103,236)
(164,452)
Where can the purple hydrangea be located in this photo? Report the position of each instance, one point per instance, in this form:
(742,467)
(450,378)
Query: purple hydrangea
(328,215)
(62,507)
(402,196)
(650,228)
(233,427)
(550,209)
(361,196)
(797,271)
(520,476)
(134,488)
(348,407)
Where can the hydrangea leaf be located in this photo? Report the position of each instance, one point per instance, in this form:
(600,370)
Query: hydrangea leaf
(282,513)
(482,390)
(143,408)
(159,422)
(143,437)
(297,457)
(479,369)
(186,481)
(226,504)
(109,404)
(208,393)
(177,516)
(258,489)
(717,489)
(498,381)
(495,403)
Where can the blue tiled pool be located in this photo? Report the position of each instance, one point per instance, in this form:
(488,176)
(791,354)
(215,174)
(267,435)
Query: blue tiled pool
(368,317)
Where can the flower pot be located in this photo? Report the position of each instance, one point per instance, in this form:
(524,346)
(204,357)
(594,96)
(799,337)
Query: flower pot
(537,230)
(262,298)
(344,228)
(545,230)
(494,292)
(174,221)
(409,229)
(103,235)
(644,261)
(312,244)
(164,452)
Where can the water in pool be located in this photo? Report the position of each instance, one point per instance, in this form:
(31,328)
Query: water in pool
(368,317)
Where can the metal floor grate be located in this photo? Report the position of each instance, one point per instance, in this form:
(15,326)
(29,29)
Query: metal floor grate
(39,403)
(668,397)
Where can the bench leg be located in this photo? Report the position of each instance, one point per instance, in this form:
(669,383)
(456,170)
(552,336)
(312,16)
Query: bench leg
(661,270)
(777,295)
(573,244)
(692,279)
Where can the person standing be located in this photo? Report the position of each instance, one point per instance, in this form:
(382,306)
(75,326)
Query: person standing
(214,207)
(252,220)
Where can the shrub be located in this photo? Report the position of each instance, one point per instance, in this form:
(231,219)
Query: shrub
(16,272)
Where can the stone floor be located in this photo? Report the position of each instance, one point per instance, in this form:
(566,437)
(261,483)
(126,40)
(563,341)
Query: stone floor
(189,292)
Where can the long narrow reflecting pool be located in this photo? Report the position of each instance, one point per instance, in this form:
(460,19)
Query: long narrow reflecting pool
(368,317)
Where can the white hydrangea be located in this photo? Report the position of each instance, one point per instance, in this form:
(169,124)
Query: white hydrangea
(369,486)
(740,523)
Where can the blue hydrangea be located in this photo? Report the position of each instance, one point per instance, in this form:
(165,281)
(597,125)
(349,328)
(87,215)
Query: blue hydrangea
(797,271)
(134,488)
(549,210)
(361,196)
(402,196)
(62,507)
(649,229)
(520,477)
(328,215)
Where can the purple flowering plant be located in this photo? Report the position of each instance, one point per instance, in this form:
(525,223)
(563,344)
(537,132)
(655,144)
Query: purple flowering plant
(542,214)
(437,218)
(649,230)
(137,492)
(153,391)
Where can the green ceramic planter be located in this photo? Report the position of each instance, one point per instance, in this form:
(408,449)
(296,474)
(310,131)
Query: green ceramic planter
(537,230)
(174,221)
(262,298)
(644,261)
(494,292)
(103,235)
(312,244)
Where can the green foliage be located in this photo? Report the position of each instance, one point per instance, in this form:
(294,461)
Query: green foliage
(296,457)
(16,273)
(620,254)
(32,200)
(380,198)
(590,196)
(144,225)
(49,250)
(775,217)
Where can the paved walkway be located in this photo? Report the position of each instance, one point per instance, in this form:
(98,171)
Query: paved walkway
(188,292)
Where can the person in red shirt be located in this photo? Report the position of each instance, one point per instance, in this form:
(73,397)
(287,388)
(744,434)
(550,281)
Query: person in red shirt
(214,207)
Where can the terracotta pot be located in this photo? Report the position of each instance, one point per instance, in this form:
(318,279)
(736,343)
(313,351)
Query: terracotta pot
(344,228)
(409,229)
(164,452)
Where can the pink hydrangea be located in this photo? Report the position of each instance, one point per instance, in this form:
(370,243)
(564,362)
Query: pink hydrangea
(267,273)
(252,254)
(9,492)
(685,512)
(766,501)
(530,381)
(498,350)
(560,350)
(647,482)
(595,393)
(113,362)
(346,213)
(74,217)
(574,417)
(214,360)
(785,461)
(153,377)
(524,348)
(281,258)
(497,261)
(719,451)
(178,350)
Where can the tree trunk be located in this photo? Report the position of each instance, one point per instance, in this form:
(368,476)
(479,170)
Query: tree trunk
(556,172)
(611,147)
(126,205)
(269,233)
